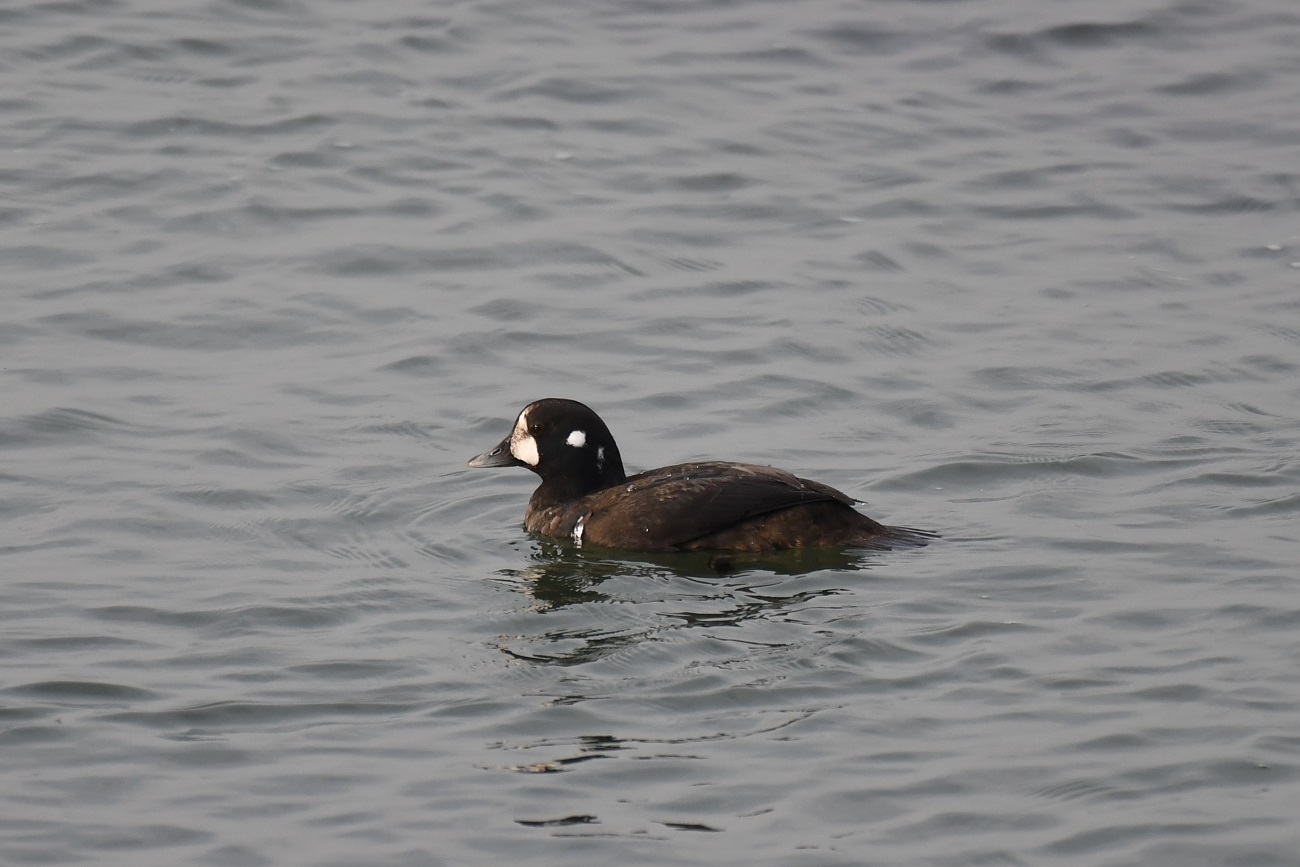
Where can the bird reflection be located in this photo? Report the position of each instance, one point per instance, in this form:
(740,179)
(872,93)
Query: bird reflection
(721,592)
(561,575)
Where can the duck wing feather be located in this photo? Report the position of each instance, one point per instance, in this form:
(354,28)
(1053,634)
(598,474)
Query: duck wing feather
(673,505)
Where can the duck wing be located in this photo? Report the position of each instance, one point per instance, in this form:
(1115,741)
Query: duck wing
(665,508)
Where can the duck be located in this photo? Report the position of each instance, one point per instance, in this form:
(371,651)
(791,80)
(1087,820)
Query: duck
(586,497)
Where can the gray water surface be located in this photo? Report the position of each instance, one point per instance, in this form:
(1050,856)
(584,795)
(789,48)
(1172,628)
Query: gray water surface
(1025,273)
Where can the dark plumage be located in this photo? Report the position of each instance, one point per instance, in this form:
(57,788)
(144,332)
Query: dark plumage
(707,506)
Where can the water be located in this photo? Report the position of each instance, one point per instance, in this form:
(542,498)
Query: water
(1021,272)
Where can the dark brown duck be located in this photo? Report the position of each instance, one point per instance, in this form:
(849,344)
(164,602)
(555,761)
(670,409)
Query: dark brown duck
(708,506)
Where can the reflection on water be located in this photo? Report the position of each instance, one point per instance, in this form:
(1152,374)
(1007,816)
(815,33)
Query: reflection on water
(656,594)
(561,574)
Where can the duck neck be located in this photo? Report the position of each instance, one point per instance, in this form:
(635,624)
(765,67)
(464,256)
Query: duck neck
(564,487)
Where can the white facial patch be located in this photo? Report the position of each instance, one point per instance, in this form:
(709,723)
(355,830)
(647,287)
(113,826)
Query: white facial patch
(577,439)
(522,444)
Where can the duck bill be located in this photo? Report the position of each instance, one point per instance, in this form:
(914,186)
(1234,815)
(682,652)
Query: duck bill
(497,457)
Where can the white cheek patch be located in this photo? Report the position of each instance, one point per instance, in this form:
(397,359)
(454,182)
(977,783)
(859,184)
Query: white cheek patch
(522,444)
(525,449)
(577,439)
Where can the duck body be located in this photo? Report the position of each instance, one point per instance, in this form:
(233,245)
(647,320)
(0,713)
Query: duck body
(586,497)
